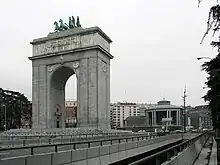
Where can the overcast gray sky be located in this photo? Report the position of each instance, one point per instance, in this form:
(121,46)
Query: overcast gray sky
(155,44)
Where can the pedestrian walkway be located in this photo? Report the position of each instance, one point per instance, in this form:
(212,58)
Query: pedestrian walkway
(213,157)
(202,159)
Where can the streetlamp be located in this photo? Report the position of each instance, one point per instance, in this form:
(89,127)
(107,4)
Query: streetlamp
(3,105)
(200,58)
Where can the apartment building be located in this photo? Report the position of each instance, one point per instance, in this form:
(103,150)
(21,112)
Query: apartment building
(70,113)
(199,117)
(120,111)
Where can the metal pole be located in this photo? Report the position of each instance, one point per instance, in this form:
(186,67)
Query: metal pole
(5,119)
(20,115)
(184,109)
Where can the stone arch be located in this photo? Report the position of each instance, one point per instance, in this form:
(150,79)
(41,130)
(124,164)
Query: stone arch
(84,52)
(58,80)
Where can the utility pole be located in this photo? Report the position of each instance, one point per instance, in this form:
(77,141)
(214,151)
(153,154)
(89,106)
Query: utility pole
(5,118)
(20,114)
(184,109)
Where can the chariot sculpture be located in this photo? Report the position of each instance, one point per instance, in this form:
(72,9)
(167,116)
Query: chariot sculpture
(61,26)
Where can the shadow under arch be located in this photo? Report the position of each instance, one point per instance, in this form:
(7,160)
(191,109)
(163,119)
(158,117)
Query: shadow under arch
(58,80)
(60,76)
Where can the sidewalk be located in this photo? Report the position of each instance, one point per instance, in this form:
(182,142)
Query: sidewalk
(202,159)
(213,157)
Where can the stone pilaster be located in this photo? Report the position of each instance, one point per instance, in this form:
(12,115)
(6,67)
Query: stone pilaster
(102,94)
(108,95)
(82,114)
(35,96)
(42,96)
(92,92)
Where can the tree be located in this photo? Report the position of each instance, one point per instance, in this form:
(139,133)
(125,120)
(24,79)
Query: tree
(18,108)
(213,69)
(213,82)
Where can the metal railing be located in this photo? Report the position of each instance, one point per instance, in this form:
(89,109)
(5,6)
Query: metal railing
(165,155)
(49,135)
(58,131)
(73,145)
(52,139)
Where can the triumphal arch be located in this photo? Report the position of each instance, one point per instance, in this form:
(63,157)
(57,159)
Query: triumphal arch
(68,51)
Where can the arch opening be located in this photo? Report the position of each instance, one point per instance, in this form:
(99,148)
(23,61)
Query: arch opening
(71,102)
(59,107)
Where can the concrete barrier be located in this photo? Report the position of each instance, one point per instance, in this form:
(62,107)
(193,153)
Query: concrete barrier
(188,155)
(100,155)
(39,159)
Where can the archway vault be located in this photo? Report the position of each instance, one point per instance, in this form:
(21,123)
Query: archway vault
(58,80)
(60,76)
(84,52)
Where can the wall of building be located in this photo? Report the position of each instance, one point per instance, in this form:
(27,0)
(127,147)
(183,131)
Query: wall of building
(200,118)
(70,113)
(120,111)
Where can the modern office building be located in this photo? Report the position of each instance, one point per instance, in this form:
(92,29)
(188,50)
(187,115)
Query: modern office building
(163,112)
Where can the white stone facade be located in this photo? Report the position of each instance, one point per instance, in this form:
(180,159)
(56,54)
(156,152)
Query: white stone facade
(84,52)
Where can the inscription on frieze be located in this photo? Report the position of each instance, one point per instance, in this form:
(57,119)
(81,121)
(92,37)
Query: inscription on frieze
(57,45)
(104,43)
(70,43)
